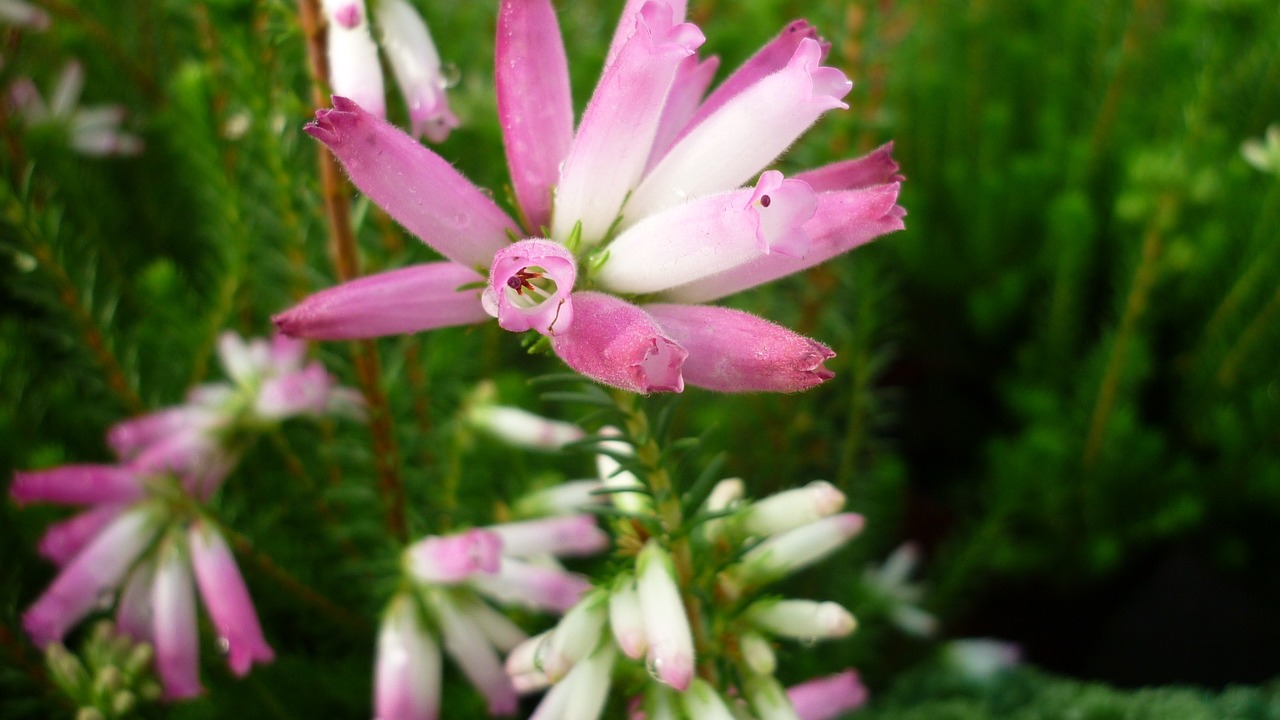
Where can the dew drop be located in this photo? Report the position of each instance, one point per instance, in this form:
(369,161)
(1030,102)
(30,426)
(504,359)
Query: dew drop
(224,646)
(808,642)
(654,666)
(450,75)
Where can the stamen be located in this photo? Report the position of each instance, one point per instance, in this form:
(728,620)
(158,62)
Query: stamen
(764,201)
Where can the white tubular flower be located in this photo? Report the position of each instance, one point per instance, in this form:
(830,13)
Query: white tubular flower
(406,676)
(769,700)
(981,659)
(757,652)
(622,481)
(702,701)
(563,499)
(575,637)
(23,14)
(470,649)
(354,71)
(1264,153)
(796,549)
(791,509)
(891,583)
(626,619)
(671,655)
(523,665)
(802,619)
(522,428)
(583,692)
(496,627)
(416,66)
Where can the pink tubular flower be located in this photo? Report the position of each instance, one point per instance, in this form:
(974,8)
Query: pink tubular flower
(406,680)
(227,600)
(828,697)
(92,576)
(174,633)
(657,196)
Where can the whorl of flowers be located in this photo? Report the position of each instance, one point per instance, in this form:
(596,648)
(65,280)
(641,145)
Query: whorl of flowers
(656,200)
(145,534)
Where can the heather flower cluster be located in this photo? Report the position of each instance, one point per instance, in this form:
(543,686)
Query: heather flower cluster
(145,533)
(638,625)
(93,131)
(658,201)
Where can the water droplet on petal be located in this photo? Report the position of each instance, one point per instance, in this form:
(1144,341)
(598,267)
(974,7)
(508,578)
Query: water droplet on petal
(450,75)
(654,666)
(224,646)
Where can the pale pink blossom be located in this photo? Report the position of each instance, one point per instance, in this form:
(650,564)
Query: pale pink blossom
(666,626)
(227,600)
(174,633)
(91,579)
(654,200)
(829,697)
(23,14)
(406,682)
(93,131)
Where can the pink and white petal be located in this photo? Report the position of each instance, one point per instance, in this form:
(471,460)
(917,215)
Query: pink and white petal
(626,619)
(744,135)
(129,437)
(566,536)
(616,343)
(407,673)
(300,392)
(535,106)
(844,220)
(735,351)
(90,578)
(23,14)
(354,70)
(666,624)
(709,236)
(828,697)
(25,98)
(626,26)
(693,77)
(417,187)
(395,302)
(175,635)
(134,615)
(227,600)
(609,152)
(477,659)
(875,168)
(529,286)
(533,586)
(287,354)
(769,59)
(78,485)
(66,93)
(450,559)
(416,65)
(496,627)
(63,540)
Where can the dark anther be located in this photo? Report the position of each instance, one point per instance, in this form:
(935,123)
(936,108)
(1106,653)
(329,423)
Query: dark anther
(764,201)
(520,281)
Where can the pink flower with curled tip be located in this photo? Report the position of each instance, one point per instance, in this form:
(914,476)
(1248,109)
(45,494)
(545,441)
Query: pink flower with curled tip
(829,697)
(406,680)
(657,196)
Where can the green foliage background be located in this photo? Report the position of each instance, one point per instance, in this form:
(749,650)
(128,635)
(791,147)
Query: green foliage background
(1067,361)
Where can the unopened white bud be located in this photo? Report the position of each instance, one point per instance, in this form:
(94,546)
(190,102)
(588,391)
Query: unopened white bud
(791,509)
(797,549)
(806,620)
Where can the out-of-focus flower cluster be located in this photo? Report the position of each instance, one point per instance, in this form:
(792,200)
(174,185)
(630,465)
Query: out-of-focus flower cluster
(93,130)
(145,529)
(637,624)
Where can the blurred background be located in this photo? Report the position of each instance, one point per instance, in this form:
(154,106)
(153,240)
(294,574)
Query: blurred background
(1061,383)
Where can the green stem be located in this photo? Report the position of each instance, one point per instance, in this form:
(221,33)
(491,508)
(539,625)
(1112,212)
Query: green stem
(1135,306)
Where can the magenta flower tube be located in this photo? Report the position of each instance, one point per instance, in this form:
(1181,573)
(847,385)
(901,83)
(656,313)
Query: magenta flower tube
(616,343)
(227,600)
(735,351)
